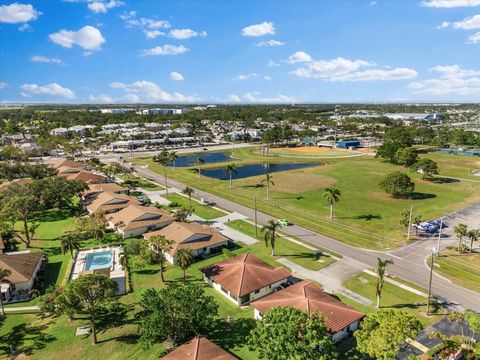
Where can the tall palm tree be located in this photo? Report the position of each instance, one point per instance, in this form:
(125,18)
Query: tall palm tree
(70,242)
(182,214)
(473,235)
(268,180)
(332,194)
(160,245)
(461,230)
(188,191)
(184,259)
(198,163)
(4,274)
(231,169)
(164,159)
(270,230)
(172,158)
(381,269)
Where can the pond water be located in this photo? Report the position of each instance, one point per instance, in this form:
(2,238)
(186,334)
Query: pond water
(253,170)
(189,160)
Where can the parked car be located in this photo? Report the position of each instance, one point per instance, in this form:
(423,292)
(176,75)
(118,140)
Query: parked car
(284,222)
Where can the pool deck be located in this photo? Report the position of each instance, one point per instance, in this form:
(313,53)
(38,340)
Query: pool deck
(117,273)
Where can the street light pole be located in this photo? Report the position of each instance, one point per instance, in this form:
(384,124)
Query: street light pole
(409,223)
(255,206)
(439,237)
(430,282)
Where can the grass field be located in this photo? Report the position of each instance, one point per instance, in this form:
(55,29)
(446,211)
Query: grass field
(309,151)
(365,216)
(204,211)
(462,269)
(456,165)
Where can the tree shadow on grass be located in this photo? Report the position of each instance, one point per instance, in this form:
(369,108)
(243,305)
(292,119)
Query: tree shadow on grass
(366,217)
(314,256)
(113,315)
(52,270)
(51,215)
(421,196)
(51,251)
(24,338)
(230,334)
(146,271)
(443,180)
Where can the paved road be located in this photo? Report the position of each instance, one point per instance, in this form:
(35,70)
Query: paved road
(409,262)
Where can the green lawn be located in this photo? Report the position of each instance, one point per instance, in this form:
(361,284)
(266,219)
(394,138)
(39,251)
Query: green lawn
(365,215)
(284,248)
(204,211)
(393,297)
(462,269)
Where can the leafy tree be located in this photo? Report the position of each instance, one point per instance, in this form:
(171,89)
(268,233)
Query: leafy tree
(13,154)
(57,192)
(473,235)
(270,231)
(123,260)
(175,313)
(397,184)
(4,274)
(92,225)
(160,245)
(381,270)
(405,220)
(332,194)
(406,156)
(383,332)
(268,180)
(427,167)
(70,242)
(461,230)
(183,213)
(189,192)
(417,221)
(184,259)
(401,134)
(288,333)
(198,163)
(388,150)
(89,292)
(231,169)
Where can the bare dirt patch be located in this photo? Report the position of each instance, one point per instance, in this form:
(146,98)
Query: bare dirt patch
(310,149)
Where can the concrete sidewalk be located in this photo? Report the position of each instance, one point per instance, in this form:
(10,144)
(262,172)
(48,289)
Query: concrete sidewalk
(22,308)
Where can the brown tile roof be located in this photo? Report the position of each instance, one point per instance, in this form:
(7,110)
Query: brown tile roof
(109,201)
(2,244)
(308,296)
(110,187)
(22,265)
(189,235)
(199,348)
(136,216)
(69,163)
(67,170)
(87,177)
(244,274)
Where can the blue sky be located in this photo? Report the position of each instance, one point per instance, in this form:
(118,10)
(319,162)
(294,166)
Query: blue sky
(79,51)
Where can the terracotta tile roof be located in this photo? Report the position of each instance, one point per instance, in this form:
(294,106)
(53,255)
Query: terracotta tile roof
(199,348)
(2,244)
(22,265)
(308,296)
(67,170)
(109,201)
(136,216)
(110,187)
(87,177)
(244,274)
(189,235)
(15,181)
(69,163)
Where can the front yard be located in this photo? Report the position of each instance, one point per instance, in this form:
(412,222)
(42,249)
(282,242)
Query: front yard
(462,269)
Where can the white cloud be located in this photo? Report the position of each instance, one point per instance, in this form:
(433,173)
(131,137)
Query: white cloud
(164,50)
(266,77)
(176,76)
(475,38)
(3,85)
(151,92)
(101,99)
(450,3)
(185,33)
(243,77)
(299,56)
(47,60)
(234,98)
(254,97)
(272,63)
(468,23)
(270,43)
(452,79)
(152,34)
(100,6)
(88,38)
(378,74)
(149,26)
(265,28)
(18,13)
(52,89)
(131,98)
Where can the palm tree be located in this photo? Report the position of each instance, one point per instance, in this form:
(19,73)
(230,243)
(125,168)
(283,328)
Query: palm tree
(4,274)
(164,159)
(381,269)
(160,245)
(183,213)
(231,169)
(198,163)
(270,230)
(461,230)
(473,235)
(268,180)
(122,259)
(184,260)
(172,158)
(70,242)
(332,194)
(188,191)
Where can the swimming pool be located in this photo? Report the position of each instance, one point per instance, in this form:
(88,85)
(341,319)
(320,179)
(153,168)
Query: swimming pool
(98,260)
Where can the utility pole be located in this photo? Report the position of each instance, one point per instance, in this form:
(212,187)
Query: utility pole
(439,237)
(255,207)
(336,115)
(430,282)
(409,223)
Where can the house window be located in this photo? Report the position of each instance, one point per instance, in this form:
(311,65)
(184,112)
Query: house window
(257,291)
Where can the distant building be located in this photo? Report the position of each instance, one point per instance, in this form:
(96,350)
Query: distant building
(346,144)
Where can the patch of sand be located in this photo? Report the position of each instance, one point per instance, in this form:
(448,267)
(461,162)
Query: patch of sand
(310,149)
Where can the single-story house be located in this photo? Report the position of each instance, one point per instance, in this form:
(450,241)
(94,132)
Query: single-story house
(95,189)
(135,220)
(307,296)
(244,278)
(24,267)
(109,202)
(66,171)
(88,177)
(202,240)
(70,163)
(199,348)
